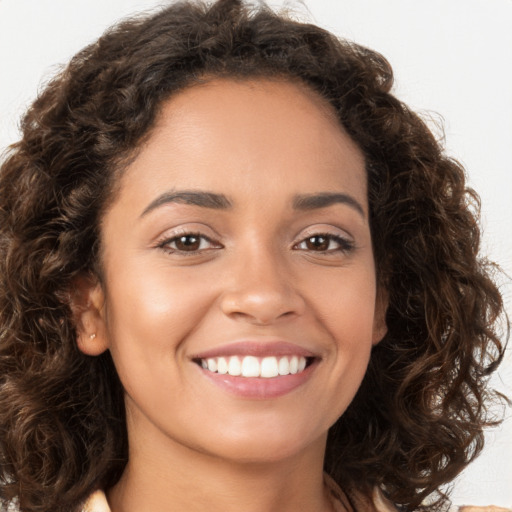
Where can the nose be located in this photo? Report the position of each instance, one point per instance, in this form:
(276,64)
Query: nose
(261,290)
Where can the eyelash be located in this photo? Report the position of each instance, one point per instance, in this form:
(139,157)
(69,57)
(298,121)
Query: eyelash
(344,245)
(166,243)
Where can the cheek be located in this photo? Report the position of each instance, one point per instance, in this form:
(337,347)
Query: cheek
(149,314)
(345,303)
(345,308)
(156,297)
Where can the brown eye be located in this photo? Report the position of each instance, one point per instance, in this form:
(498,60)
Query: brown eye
(326,243)
(317,243)
(187,243)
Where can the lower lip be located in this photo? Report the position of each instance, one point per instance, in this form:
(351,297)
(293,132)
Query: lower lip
(259,387)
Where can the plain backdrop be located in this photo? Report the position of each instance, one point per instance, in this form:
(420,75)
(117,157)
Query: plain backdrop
(452,61)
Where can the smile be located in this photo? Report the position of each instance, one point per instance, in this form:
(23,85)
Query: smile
(255,369)
(250,366)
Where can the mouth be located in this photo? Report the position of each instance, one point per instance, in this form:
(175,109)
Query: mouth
(250,366)
(255,369)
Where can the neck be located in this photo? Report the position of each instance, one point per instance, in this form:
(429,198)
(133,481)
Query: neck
(165,476)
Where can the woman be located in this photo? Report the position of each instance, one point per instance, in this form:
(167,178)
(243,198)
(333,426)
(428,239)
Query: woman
(236,273)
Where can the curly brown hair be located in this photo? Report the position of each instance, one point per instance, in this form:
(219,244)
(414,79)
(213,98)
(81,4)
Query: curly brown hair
(417,419)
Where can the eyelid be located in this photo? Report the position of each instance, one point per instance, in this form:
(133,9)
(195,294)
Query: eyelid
(346,241)
(324,229)
(188,228)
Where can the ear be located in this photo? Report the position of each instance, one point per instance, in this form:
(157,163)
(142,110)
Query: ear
(88,306)
(380,327)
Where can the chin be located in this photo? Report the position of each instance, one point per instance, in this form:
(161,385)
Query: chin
(260,447)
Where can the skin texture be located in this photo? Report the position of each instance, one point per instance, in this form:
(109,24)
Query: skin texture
(256,275)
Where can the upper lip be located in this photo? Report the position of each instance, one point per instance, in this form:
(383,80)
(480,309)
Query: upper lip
(256,348)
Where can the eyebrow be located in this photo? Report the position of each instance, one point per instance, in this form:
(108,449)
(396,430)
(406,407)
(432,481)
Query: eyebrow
(324,199)
(195,198)
(216,201)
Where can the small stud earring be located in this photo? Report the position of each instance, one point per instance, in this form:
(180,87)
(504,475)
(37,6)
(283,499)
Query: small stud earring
(92,336)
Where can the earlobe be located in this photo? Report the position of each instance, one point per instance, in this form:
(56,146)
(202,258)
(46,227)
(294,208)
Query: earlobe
(88,303)
(380,327)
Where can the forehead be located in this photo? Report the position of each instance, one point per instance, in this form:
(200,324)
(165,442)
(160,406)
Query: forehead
(254,136)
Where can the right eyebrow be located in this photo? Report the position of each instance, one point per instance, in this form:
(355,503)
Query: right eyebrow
(193,197)
(325,199)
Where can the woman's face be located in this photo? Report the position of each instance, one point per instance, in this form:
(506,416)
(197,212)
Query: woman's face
(237,251)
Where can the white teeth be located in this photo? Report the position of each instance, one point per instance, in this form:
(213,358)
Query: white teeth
(284,366)
(251,366)
(269,367)
(294,365)
(222,366)
(234,367)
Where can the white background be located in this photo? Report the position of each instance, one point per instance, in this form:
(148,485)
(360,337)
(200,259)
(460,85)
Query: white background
(452,58)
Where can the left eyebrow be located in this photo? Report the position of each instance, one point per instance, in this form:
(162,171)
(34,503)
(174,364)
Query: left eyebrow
(192,197)
(324,199)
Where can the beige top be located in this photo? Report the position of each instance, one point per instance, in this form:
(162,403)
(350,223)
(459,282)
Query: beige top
(97,502)
(355,502)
